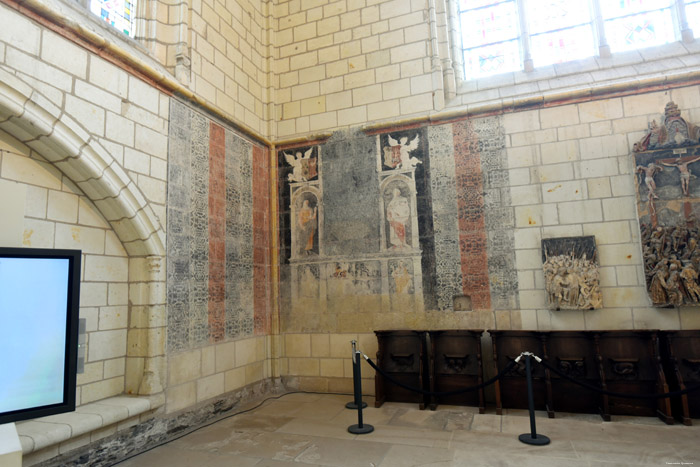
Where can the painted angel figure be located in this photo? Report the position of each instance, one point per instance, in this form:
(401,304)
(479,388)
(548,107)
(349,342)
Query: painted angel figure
(304,166)
(398,154)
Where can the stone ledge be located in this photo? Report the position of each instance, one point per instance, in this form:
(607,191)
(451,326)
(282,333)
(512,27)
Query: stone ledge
(43,432)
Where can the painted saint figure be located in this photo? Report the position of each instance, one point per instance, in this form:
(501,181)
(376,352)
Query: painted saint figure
(398,214)
(684,172)
(402,278)
(649,171)
(307,228)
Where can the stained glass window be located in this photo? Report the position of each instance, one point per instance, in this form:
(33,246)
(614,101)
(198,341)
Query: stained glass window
(560,31)
(692,14)
(634,24)
(490,37)
(117,13)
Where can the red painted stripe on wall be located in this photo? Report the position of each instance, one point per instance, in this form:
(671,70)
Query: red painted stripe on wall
(261,240)
(470,203)
(217,232)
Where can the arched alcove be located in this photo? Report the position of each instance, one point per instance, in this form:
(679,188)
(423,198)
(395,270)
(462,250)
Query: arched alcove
(32,119)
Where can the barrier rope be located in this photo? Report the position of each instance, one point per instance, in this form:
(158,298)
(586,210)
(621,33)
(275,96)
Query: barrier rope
(508,367)
(619,394)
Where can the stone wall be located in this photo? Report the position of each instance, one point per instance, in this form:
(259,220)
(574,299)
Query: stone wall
(47,210)
(487,191)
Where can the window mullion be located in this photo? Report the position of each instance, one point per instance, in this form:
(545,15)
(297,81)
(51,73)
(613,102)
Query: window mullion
(599,30)
(686,32)
(524,36)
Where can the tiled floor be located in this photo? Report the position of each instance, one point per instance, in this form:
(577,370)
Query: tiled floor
(311,430)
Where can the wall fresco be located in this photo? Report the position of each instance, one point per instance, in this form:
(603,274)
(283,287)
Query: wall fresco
(380,226)
(218,242)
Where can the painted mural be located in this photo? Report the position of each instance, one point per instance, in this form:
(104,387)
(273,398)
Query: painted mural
(668,203)
(218,242)
(375,226)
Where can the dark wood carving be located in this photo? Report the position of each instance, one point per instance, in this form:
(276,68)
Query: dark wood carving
(455,363)
(619,361)
(574,354)
(632,364)
(402,354)
(681,357)
(438,361)
(668,203)
(511,389)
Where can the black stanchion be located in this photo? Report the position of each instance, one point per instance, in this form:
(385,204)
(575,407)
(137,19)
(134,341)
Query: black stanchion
(360,428)
(532,437)
(353,403)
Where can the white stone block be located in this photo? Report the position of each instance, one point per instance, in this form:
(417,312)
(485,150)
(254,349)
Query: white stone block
(619,208)
(143,95)
(595,111)
(564,151)
(106,268)
(608,232)
(553,172)
(38,233)
(564,191)
(555,117)
(576,212)
(106,344)
(89,115)
(528,216)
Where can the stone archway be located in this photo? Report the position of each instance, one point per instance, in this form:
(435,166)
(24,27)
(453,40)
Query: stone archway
(33,120)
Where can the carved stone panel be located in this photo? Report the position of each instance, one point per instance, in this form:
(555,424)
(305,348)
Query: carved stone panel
(571,273)
(668,203)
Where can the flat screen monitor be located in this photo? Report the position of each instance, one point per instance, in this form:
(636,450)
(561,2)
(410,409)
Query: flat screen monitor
(39,295)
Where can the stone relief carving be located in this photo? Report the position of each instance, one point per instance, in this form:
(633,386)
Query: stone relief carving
(673,132)
(571,273)
(668,203)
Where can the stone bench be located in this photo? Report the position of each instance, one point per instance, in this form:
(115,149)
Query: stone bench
(46,437)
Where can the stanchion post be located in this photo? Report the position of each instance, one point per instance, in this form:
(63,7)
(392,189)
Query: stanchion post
(360,428)
(353,403)
(532,437)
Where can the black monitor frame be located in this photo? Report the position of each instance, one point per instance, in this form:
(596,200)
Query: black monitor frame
(71,347)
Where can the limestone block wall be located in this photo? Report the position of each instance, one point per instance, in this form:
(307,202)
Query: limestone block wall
(230,58)
(344,63)
(490,189)
(51,212)
(86,145)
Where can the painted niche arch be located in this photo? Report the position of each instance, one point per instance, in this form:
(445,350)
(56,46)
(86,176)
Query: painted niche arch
(29,117)
(307,222)
(399,223)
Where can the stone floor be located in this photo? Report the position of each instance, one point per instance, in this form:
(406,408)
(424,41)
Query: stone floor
(311,430)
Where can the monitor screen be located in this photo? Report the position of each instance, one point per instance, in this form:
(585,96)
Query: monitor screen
(39,293)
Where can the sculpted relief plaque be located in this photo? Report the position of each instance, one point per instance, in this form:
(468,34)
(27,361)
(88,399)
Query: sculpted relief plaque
(571,273)
(668,203)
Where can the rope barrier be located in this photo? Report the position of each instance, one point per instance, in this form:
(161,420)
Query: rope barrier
(619,394)
(510,365)
(440,394)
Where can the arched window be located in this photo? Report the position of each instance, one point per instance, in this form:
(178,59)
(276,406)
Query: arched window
(117,13)
(499,36)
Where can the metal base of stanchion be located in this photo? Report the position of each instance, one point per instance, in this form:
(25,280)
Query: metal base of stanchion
(357,430)
(527,438)
(352,405)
